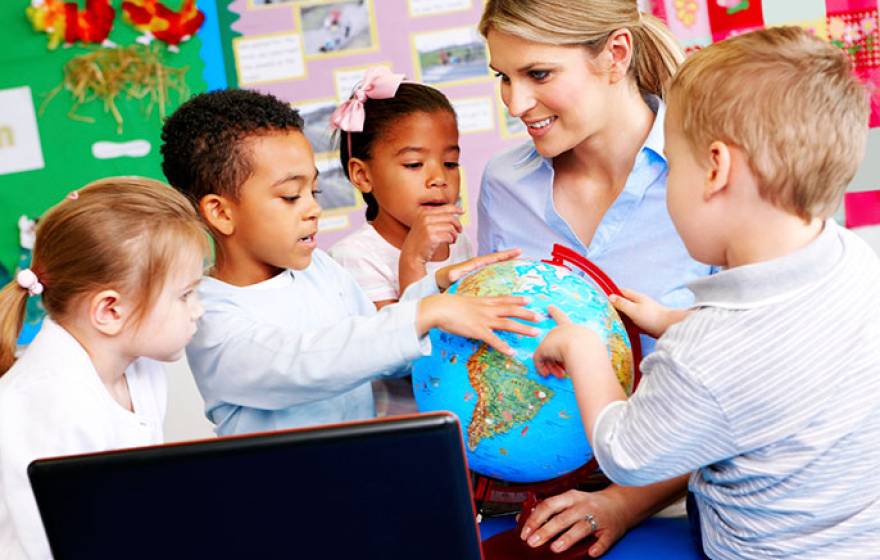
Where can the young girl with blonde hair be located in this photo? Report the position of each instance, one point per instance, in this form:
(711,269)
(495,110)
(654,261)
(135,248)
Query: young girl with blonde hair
(587,78)
(116,264)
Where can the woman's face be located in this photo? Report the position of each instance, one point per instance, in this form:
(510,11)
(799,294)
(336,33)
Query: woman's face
(556,90)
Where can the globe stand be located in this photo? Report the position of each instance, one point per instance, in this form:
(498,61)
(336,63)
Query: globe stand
(525,497)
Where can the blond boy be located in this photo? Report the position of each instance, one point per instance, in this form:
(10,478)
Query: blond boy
(767,390)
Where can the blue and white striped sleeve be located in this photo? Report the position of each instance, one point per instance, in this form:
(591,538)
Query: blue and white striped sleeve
(671,425)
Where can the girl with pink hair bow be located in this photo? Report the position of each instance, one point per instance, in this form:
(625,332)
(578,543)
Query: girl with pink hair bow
(399,148)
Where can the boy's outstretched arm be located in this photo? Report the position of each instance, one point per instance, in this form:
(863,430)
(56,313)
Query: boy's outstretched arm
(241,360)
(476,317)
(579,352)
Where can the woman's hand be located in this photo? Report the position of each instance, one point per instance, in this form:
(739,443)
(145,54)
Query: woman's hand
(565,515)
(649,315)
(452,273)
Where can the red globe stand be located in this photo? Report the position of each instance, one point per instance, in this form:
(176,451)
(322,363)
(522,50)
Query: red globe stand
(508,545)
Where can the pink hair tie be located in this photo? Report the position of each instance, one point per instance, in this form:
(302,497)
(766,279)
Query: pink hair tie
(28,280)
(378,83)
(73,195)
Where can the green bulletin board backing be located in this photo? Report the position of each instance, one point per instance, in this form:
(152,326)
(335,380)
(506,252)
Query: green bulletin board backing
(25,60)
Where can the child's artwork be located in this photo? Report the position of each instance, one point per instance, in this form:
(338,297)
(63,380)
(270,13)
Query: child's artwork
(84,87)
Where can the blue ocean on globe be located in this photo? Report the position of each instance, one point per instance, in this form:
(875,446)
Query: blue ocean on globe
(519,426)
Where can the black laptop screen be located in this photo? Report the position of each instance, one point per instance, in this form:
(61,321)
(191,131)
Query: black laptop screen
(392,489)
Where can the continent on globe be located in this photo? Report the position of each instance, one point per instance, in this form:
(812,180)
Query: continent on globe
(505,396)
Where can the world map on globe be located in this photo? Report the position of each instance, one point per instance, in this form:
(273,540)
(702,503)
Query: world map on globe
(519,426)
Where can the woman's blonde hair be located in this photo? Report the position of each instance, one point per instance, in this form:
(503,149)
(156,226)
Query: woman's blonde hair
(124,233)
(656,53)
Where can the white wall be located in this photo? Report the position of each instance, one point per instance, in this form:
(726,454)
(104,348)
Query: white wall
(186,409)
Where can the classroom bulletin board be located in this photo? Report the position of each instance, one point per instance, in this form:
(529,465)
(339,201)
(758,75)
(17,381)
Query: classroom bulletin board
(310,54)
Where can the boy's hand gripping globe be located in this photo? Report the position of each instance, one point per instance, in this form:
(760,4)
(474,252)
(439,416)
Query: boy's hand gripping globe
(519,426)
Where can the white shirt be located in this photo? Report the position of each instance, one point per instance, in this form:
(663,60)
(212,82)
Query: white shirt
(53,403)
(299,349)
(373,261)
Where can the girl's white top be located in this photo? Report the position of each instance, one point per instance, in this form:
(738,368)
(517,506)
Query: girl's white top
(373,261)
(53,403)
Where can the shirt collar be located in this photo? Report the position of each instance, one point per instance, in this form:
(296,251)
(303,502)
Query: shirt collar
(55,347)
(209,284)
(656,137)
(766,283)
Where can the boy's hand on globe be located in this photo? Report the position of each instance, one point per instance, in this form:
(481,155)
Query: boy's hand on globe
(477,317)
(648,315)
(561,343)
(447,275)
(566,515)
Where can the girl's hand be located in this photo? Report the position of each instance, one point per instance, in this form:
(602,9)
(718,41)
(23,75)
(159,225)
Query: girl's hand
(433,228)
(476,317)
(556,349)
(452,273)
(649,315)
(566,515)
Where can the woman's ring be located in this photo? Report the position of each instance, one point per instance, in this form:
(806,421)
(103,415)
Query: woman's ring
(594,526)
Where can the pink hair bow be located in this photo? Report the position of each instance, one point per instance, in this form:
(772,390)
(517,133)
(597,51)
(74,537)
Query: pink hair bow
(378,83)
(27,279)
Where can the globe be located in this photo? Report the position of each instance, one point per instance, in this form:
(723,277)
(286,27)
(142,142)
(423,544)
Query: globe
(519,426)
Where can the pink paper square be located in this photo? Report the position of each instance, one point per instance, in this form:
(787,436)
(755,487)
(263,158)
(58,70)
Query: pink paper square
(862,208)
(871,78)
(836,6)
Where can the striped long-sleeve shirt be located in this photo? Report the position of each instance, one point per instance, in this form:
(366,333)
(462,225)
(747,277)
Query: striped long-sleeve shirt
(769,392)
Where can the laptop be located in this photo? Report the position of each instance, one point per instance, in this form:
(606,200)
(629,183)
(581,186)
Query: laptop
(393,489)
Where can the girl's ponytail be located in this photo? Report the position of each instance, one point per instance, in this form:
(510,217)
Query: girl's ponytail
(13,299)
(658,55)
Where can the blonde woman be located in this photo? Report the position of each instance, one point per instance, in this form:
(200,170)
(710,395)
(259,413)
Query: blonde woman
(587,79)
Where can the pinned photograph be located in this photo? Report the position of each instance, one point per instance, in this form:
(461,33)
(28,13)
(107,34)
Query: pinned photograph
(317,130)
(336,192)
(331,28)
(451,55)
